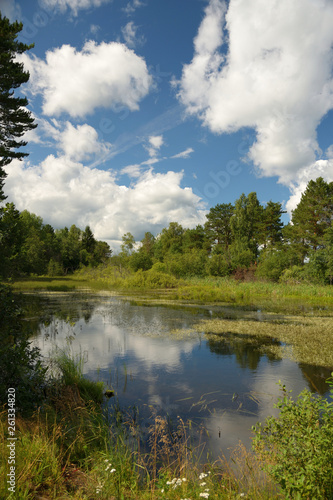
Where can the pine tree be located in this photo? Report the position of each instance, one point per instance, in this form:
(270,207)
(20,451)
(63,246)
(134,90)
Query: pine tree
(217,227)
(270,227)
(314,213)
(15,120)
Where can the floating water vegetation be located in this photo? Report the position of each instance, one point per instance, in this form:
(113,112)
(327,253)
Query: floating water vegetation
(307,340)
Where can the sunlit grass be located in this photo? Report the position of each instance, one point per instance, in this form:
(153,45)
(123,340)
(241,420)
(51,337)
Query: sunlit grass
(307,340)
(294,299)
(69,449)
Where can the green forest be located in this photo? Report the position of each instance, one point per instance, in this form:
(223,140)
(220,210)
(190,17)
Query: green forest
(246,240)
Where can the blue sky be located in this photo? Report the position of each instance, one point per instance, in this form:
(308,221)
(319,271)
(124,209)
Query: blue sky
(153,111)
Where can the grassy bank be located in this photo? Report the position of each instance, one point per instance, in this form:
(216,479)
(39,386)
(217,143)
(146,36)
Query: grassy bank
(70,449)
(296,299)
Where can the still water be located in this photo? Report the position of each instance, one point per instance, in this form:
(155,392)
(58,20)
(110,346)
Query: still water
(154,360)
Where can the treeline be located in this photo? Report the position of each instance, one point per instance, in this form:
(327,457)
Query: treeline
(246,240)
(28,246)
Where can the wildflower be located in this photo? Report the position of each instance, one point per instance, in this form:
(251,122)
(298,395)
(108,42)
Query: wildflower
(203,484)
(205,494)
(202,475)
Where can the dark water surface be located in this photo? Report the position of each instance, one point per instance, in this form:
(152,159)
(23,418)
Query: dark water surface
(154,360)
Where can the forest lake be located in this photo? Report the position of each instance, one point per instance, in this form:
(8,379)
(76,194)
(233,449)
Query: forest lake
(157,362)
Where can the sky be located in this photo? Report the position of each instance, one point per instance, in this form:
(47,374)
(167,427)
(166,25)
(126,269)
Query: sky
(154,111)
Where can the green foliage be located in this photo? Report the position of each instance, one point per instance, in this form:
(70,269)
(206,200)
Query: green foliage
(241,253)
(150,279)
(218,265)
(28,246)
(218,225)
(270,226)
(140,260)
(170,240)
(246,223)
(315,269)
(20,364)
(313,215)
(292,275)
(71,369)
(15,120)
(272,263)
(11,240)
(297,446)
(190,263)
(128,243)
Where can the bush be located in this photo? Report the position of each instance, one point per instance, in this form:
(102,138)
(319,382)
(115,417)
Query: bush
(272,264)
(191,263)
(315,269)
(293,276)
(140,260)
(297,446)
(218,265)
(20,363)
(150,279)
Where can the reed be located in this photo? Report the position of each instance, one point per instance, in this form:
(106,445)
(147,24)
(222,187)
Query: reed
(70,449)
(275,297)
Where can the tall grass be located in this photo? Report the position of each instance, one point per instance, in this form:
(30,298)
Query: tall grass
(152,284)
(70,449)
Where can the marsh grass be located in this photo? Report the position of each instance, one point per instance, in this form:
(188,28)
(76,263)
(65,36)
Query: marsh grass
(303,339)
(300,299)
(70,449)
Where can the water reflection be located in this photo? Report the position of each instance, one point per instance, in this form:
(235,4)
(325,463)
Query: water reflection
(227,382)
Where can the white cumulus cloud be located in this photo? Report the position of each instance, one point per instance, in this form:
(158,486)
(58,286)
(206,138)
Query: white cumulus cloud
(268,66)
(78,82)
(81,142)
(65,192)
(155,142)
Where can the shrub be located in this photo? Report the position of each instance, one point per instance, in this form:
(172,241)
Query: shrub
(20,363)
(218,265)
(191,263)
(297,446)
(272,263)
(150,279)
(293,275)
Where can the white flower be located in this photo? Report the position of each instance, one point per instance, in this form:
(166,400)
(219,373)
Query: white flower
(202,475)
(203,484)
(205,494)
